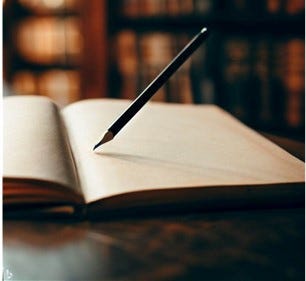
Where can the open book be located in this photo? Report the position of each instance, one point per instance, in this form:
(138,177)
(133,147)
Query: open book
(168,155)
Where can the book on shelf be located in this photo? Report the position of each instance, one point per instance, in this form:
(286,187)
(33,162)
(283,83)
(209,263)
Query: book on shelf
(294,81)
(126,60)
(61,85)
(49,40)
(293,7)
(170,156)
(236,75)
(139,58)
(261,80)
(159,8)
(289,70)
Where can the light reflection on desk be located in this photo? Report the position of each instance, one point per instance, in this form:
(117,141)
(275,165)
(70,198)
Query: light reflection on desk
(249,245)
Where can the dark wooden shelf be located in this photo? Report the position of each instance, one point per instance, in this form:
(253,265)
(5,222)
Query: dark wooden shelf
(20,11)
(276,24)
(20,63)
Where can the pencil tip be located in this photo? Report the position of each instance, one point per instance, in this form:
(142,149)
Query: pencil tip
(108,136)
(97,145)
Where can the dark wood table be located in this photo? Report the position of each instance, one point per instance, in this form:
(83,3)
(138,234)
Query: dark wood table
(229,245)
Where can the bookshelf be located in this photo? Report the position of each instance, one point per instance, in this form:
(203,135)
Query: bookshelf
(47,48)
(252,65)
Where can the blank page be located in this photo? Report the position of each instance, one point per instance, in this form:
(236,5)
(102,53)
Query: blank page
(171,146)
(36,150)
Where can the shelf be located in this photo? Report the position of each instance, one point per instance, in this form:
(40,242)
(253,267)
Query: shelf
(293,25)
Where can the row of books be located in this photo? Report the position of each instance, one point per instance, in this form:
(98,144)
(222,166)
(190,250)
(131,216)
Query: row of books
(50,6)
(49,40)
(139,58)
(63,86)
(262,80)
(145,8)
(259,80)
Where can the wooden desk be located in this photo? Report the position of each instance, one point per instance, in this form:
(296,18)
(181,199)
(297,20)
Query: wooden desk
(234,245)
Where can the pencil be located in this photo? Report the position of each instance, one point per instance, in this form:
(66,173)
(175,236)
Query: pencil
(153,87)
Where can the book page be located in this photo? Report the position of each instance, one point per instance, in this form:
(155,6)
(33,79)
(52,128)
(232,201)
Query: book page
(171,146)
(38,166)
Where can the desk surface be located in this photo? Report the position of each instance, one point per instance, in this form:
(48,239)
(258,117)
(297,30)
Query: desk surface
(253,245)
(234,245)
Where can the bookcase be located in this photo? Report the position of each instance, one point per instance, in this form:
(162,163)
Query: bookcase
(252,64)
(55,48)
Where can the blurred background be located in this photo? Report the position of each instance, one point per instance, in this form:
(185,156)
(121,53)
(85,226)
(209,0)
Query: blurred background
(252,65)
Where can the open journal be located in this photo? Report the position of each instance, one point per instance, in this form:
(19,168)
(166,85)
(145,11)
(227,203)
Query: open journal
(167,156)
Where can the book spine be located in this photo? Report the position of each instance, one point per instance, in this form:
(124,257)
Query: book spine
(127,62)
(203,7)
(186,7)
(203,86)
(130,8)
(180,84)
(277,87)
(235,74)
(294,82)
(156,51)
(293,7)
(274,6)
(262,71)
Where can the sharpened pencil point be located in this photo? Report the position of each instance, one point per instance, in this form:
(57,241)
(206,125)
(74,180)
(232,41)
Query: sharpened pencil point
(97,145)
(108,136)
